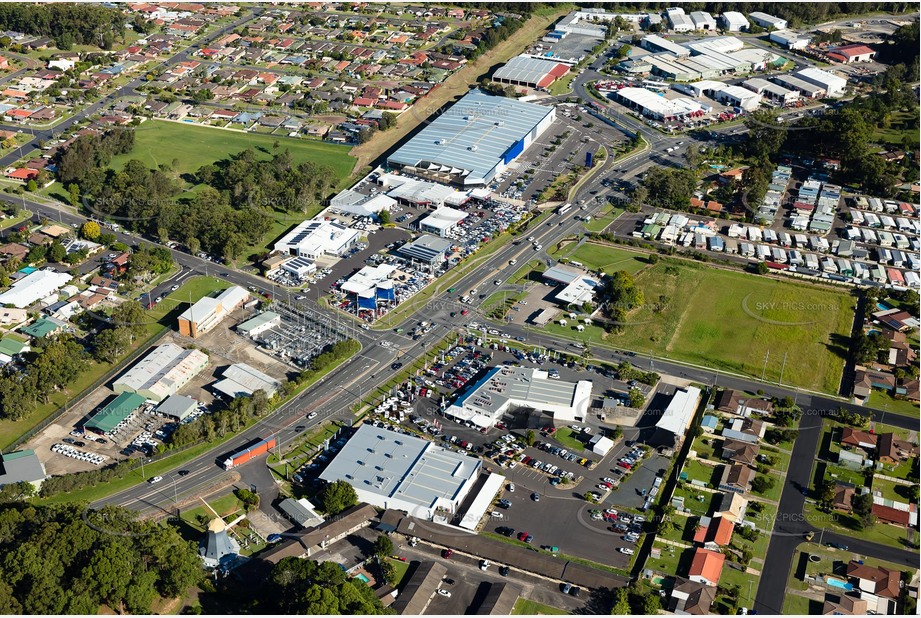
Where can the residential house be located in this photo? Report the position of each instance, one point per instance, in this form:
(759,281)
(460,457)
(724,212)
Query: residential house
(843,494)
(909,388)
(691,598)
(706,567)
(851,438)
(736,478)
(740,452)
(903,516)
(879,580)
(843,605)
(714,532)
(728,401)
(745,430)
(865,380)
(732,506)
(893,450)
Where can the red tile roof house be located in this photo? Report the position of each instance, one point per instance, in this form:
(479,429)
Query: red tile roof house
(23,174)
(875,580)
(851,437)
(843,494)
(890,515)
(706,567)
(893,450)
(714,532)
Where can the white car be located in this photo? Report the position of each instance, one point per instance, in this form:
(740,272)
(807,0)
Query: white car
(444,593)
(174,288)
(311,416)
(155,479)
(626,550)
(484,565)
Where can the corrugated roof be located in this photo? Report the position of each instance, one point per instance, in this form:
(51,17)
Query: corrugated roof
(115,412)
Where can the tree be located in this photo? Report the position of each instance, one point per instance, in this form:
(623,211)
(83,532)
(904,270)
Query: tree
(746,556)
(250,499)
(384,216)
(762,484)
(636,398)
(529,437)
(57,252)
(90,230)
(762,268)
(862,506)
(383,546)
(32,185)
(337,497)
(111,343)
(621,603)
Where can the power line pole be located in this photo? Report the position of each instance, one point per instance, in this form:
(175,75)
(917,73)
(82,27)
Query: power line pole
(764,369)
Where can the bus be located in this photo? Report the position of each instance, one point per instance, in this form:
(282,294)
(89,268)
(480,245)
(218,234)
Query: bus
(562,210)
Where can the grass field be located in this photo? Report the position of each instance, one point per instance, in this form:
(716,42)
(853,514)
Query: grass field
(895,135)
(603,257)
(158,142)
(533,608)
(884,401)
(606,216)
(733,321)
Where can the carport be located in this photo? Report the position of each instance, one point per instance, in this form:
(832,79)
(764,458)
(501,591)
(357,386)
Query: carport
(482,501)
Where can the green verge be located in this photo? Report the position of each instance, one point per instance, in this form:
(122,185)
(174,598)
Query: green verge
(528,607)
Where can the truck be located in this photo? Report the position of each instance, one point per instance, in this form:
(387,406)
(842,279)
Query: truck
(244,455)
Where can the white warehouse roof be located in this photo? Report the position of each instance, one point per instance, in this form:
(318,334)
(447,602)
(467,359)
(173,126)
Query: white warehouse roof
(444,218)
(243,380)
(475,136)
(312,237)
(677,415)
(33,287)
(162,372)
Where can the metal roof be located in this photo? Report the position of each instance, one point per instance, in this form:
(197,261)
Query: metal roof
(177,406)
(257,321)
(21,466)
(242,379)
(561,274)
(162,371)
(679,411)
(530,70)
(394,465)
(472,136)
(115,412)
(427,248)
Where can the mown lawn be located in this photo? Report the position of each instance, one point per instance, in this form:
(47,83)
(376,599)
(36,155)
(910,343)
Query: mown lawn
(699,471)
(733,321)
(159,142)
(606,217)
(884,401)
(606,258)
(893,536)
(528,607)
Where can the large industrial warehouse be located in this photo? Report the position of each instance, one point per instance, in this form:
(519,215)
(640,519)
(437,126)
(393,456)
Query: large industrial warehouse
(165,370)
(506,388)
(530,72)
(391,470)
(474,140)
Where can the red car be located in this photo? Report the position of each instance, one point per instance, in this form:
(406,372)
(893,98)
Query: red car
(500,426)
(447,553)
(624,465)
(465,311)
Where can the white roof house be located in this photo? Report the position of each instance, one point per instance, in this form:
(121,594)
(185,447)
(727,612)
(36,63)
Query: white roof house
(733,21)
(34,287)
(312,239)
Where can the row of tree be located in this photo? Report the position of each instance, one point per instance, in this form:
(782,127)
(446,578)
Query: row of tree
(47,368)
(67,23)
(65,560)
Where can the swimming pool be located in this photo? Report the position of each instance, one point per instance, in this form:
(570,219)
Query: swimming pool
(365,579)
(837,583)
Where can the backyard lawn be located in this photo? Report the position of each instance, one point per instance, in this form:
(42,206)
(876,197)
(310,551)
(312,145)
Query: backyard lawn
(699,471)
(159,142)
(730,320)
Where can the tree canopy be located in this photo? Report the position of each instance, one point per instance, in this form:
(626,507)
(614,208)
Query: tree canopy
(298,586)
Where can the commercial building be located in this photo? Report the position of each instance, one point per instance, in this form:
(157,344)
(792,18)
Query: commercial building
(774,93)
(530,71)
(834,86)
(301,512)
(806,89)
(678,21)
(313,239)
(356,203)
(37,285)
(589,22)
(259,324)
(242,380)
(299,267)
(391,470)
(703,21)
(162,372)
(768,22)
(114,412)
(790,39)
(733,21)
(577,287)
(655,43)
(849,54)
(506,388)
(658,107)
(209,311)
(442,220)
(739,97)
(178,407)
(420,193)
(677,416)
(426,248)
(21,467)
(474,140)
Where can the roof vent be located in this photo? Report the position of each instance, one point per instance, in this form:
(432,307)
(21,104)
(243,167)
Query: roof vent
(472,148)
(499,123)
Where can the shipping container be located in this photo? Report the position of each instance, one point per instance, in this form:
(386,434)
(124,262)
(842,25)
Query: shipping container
(244,455)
